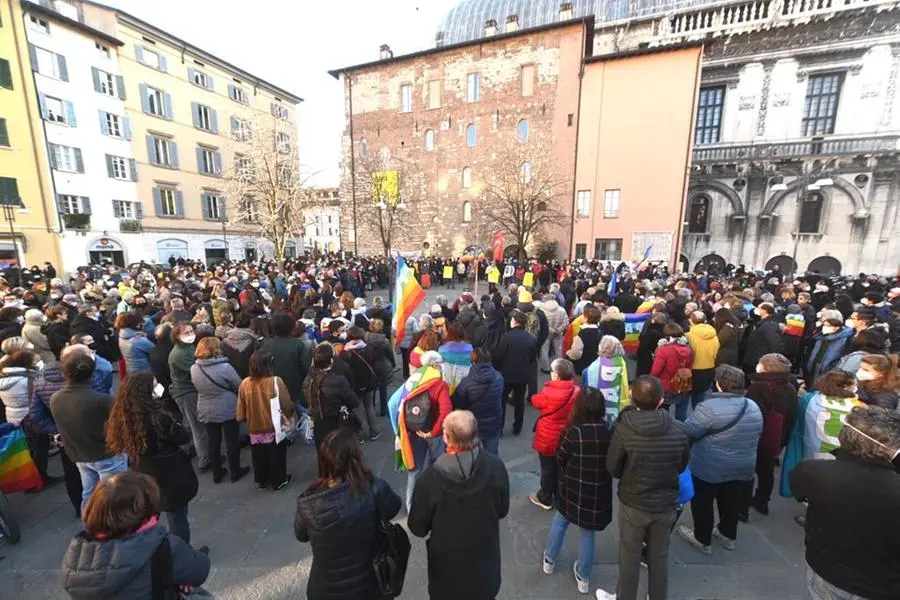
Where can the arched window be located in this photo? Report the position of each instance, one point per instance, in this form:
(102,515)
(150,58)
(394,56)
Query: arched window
(467,211)
(526,171)
(466,177)
(811,214)
(523,131)
(385,156)
(429,139)
(364,148)
(698,217)
(471,136)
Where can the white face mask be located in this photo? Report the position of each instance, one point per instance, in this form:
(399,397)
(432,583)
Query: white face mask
(20,319)
(39,365)
(94,317)
(849,323)
(158,390)
(759,368)
(343,335)
(188,339)
(863,375)
(828,329)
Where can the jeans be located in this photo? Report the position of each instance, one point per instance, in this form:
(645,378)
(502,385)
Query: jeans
(491,444)
(93,473)
(187,404)
(586,545)
(518,399)
(232,449)
(819,589)
(549,472)
(425,452)
(366,410)
(382,399)
(701,381)
(635,527)
(680,402)
(551,349)
(176,522)
(726,496)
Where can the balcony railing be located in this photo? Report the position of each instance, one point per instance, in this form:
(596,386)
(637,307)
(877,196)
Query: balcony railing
(77,221)
(792,149)
(130,226)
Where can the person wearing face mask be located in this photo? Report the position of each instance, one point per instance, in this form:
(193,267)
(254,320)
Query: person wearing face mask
(11,320)
(765,338)
(33,332)
(57,329)
(183,392)
(879,384)
(88,323)
(827,347)
(851,549)
(102,380)
(134,344)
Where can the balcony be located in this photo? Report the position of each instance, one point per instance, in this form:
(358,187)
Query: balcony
(796,149)
(77,222)
(130,226)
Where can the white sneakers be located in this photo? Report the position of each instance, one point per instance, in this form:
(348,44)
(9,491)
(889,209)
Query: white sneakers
(548,566)
(602,594)
(687,534)
(727,542)
(584,585)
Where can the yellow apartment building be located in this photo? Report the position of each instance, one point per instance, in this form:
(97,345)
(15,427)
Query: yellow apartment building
(25,182)
(188,113)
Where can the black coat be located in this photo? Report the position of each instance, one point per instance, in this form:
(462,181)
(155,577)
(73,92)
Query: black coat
(159,362)
(325,397)
(462,512)
(168,464)
(81,325)
(764,339)
(613,327)
(57,336)
(489,330)
(481,391)
(647,342)
(852,523)
(515,356)
(729,345)
(585,486)
(340,527)
(647,453)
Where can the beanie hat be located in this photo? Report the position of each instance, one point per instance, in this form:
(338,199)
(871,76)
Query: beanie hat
(524,296)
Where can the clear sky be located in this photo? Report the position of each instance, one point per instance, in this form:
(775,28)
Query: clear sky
(292,43)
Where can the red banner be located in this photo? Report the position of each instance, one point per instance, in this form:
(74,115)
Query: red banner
(498,246)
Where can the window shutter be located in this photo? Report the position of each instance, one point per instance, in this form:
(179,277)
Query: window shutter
(195,113)
(120,86)
(132,168)
(138,211)
(145,101)
(235,127)
(217,161)
(5,74)
(63,69)
(163,63)
(179,204)
(61,205)
(104,126)
(151,151)
(139,53)
(52,153)
(4,133)
(117,209)
(95,75)
(167,102)
(213,121)
(173,152)
(32,56)
(209,82)
(231,92)
(79,161)
(126,127)
(42,102)
(204,203)
(109,166)
(191,73)
(70,114)
(273,108)
(223,208)
(199,152)
(157,202)
(86,205)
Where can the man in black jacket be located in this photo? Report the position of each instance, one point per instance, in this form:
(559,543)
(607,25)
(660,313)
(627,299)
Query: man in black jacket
(647,453)
(459,500)
(765,338)
(516,359)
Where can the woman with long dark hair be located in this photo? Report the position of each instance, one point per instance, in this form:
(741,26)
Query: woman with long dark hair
(730,332)
(140,426)
(328,394)
(584,497)
(337,515)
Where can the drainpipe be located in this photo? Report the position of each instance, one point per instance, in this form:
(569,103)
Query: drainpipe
(577,125)
(353,169)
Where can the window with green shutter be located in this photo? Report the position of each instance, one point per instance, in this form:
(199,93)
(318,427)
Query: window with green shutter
(4,134)
(9,191)
(5,74)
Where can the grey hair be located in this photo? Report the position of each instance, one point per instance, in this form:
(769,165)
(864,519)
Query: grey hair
(461,429)
(610,347)
(563,368)
(442,300)
(684,293)
(877,423)
(697,317)
(426,323)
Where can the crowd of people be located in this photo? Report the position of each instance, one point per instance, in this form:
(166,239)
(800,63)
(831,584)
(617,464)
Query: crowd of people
(731,375)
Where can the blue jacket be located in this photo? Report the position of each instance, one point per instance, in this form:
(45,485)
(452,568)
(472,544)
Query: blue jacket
(39,412)
(102,380)
(136,351)
(731,454)
(827,351)
(481,391)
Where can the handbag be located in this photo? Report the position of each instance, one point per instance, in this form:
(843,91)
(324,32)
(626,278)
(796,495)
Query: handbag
(391,554)
(553,412)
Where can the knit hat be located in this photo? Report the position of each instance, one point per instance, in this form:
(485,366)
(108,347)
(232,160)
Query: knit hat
(467,297)
(436,309)
(524,295)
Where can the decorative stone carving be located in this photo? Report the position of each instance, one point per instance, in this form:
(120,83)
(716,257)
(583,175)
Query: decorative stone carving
(747,103)
(764,99)
(732,85)
(887,113)
(781,99)
(855,69)
(802,76)
(870,90)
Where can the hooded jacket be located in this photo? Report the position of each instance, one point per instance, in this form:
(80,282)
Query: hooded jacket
(704,344)
(671,355)
(16,387)
(32,333)
(217,384)
(136,348)
(469,318)
(554,402)
(728,455)
(614,325)
(292,360)
(181,358)
(729,345)
(119,569)
(489,330)
(481,391)
(557,319)
(776,397)
(647,453)
(382,355)
(826,351)
(340,528)
(239,345)
(51,381)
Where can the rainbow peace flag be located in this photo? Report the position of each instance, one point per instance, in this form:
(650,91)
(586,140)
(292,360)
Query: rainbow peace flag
(794,324)
(408,294)
(634,323)
(610,376)
(420,382)
(17,470)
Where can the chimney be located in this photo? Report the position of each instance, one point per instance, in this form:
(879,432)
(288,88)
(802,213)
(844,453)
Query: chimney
(512,23)
(384,52)
(490,28)
(565,11)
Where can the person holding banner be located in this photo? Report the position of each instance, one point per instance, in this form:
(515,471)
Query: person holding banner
(447,275)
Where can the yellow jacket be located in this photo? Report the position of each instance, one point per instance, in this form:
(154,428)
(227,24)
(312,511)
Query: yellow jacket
(705,344)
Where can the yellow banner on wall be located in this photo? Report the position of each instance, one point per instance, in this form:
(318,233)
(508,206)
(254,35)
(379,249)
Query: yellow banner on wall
(386,187)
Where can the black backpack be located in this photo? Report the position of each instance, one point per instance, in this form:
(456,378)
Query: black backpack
(418,413)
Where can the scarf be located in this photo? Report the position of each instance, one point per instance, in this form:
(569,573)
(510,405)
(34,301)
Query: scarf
(420,382)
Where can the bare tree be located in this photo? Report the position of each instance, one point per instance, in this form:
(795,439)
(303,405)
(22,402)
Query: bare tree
(267,192)
(524,195)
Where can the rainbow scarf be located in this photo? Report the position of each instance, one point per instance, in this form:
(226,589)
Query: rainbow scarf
(408,294)
(17,470)
(634,324)
(420,381)
(795,324)
(610,376)
(571,332)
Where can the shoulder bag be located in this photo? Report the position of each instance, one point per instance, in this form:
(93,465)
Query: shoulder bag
(556,410)
(216,383)
(728,425)
(391,554)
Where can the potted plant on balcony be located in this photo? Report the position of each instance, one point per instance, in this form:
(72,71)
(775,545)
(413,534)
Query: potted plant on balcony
(77,221)
(129,226)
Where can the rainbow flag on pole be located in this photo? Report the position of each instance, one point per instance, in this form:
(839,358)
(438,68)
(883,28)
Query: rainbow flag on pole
(634,323)
(408,294)
(17,470)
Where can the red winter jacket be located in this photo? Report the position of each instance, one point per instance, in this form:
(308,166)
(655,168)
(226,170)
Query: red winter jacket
(669,358)
(554,402)
(440,394)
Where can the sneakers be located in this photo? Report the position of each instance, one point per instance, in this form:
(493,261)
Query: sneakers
(374,436)
(584,585)
(604,595)
(283,484)
(548,566)
(727,542)
(687,534)
(537,502)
